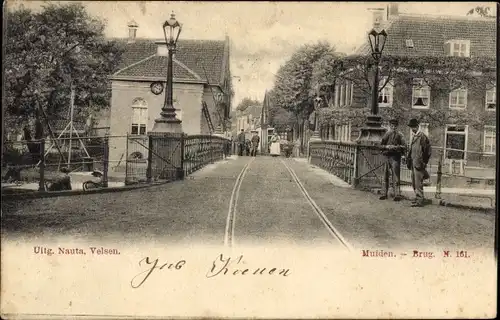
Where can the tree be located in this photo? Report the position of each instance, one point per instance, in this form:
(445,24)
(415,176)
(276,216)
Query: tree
(49,51)
(247,102)
(293,84)
(324,74)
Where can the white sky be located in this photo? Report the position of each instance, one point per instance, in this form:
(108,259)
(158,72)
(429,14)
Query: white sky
(263,34)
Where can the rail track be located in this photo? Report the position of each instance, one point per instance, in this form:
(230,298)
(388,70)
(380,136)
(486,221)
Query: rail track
(229,237)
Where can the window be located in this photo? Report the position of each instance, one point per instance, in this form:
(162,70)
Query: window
(456,142)
(351,97)
(458,48)
(409,43)
(385,94)
(343,132)
(348,93)
(421,94)
(491,98)
(458,99)
(337,95)
(139,116)
(424,127)
(342,95)
(490,136)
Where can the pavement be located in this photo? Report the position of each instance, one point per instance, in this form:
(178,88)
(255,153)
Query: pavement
(269,208)
(473,198)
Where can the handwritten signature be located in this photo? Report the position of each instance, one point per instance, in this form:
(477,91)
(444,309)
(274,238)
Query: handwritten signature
(220,266)
(140,278)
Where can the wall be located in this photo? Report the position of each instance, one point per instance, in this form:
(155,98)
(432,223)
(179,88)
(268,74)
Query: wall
(208,97)
(187,97)
(402,98)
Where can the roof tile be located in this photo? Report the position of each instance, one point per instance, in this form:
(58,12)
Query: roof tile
(429,35)
(204,57)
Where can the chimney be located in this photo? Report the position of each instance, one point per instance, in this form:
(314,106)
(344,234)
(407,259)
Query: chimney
(132,31)
(392,10)
(378,15)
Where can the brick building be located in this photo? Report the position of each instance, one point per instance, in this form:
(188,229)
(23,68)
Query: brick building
(201,75)
(430,36)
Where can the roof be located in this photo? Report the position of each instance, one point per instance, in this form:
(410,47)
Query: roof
(429,33)
(194,60)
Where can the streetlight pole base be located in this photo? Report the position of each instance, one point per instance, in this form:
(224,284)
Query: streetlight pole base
(373,132)
(168,122)
(163,125)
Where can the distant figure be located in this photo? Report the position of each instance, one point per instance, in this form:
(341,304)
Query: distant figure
(33,147)
(418,157)
(394,142)
(275,149)
(241,142)
(255,144)
(248,146)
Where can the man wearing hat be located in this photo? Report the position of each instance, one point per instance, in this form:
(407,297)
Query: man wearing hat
(255,143)
(241,142)
(394,144)
(417,159)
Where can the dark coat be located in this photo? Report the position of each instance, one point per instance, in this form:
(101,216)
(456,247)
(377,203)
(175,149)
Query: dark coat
(419,152)
(241,137)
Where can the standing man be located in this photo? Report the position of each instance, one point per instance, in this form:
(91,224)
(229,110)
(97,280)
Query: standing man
(255,144)
(418,157)
(395,145)
(241,142)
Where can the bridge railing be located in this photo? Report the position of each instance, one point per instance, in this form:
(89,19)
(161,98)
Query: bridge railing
(363,166)
(122,160)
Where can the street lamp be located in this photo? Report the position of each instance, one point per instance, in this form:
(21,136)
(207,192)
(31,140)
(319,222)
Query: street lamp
(168,121)
(373,131)
(219,99)
(317,104)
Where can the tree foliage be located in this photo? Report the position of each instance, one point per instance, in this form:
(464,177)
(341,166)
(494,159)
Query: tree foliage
(279,118)
(48,51)
(293,87)
(247,102)
(440,74)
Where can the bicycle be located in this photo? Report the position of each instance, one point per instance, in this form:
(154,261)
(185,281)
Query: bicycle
(89,185)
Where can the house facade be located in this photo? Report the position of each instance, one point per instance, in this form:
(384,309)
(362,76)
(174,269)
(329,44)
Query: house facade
(462,120)
(248,119)
(201,82)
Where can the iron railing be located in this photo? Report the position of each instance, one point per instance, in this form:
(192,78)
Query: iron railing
(363,166)
(129,159)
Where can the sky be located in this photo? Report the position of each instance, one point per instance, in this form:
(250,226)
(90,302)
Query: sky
(263,35)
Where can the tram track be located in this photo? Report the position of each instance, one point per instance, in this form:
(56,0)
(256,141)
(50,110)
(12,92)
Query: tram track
(229,237)
(321,215)
(231,215)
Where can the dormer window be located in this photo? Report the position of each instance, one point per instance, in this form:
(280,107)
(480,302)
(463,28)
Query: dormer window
(457,48)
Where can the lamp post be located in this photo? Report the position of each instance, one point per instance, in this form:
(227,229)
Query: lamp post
(317,104)
(373,131)
(220,129)
(168,121)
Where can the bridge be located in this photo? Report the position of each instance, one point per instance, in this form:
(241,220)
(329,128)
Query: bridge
(233,201)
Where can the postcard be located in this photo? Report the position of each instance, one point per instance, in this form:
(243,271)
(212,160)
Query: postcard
(249,160)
